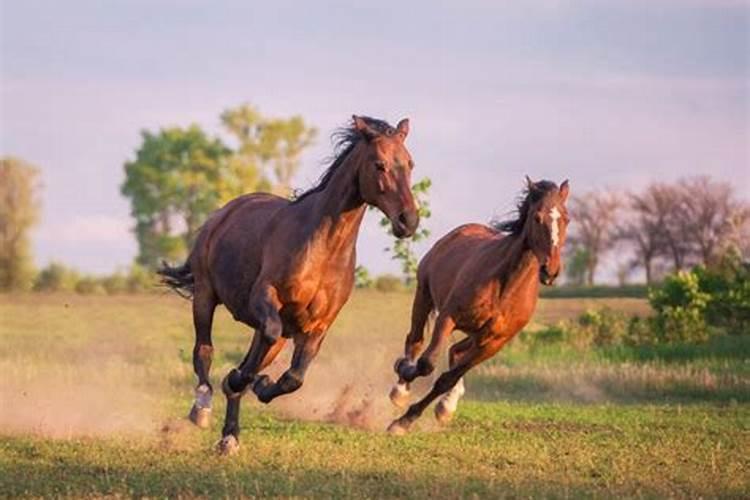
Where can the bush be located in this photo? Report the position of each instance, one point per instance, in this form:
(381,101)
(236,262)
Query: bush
(728,286)
(56,278)
(115,283)
(362,277)
(389,283)
(89,286)
(140,280)
(680,307)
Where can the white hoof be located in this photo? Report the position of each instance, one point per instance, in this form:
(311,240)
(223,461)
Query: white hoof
(397,429)
(443,414)
(201,417)
(400,395)
(228,446)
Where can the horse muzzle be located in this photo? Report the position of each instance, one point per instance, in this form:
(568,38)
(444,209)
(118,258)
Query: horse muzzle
(545,277)
(405,225)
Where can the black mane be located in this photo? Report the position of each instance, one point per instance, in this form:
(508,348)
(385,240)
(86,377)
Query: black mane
(529,196)
(345,140)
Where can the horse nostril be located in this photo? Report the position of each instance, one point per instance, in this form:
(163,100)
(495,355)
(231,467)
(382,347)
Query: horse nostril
(410,220)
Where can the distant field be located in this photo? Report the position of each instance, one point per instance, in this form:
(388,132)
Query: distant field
(94,390)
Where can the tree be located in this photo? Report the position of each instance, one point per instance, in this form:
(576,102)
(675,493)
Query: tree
(575,269)
(19,211)
(711,216)
(175,181)
(269,149)
(403,249)
(595,231)
(649,228)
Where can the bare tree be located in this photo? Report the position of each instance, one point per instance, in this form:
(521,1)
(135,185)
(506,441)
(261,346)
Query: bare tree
(712,217)
(594,227)
(650,228)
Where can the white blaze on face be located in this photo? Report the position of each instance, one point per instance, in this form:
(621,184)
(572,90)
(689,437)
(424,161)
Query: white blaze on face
(554,214)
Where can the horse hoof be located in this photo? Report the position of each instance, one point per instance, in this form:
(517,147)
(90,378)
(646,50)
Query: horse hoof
(397,429)
(201,417)
(397,364)
(442,414)
(400,395)
(229,445)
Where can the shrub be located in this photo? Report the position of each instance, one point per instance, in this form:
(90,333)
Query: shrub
(140,280)
(362,277)
(728,285)
(88,285)
(56,278)
(115,283)
(389,283)
(680,307)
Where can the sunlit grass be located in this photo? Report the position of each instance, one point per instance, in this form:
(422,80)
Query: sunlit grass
(96,389)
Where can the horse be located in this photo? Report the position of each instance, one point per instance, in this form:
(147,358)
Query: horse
(286,267)
(483,281)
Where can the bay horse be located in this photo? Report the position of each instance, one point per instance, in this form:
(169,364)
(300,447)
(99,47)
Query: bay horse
(483,281)
(286,268)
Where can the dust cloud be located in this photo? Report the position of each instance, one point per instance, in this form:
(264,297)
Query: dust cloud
(348,385)
(83,396)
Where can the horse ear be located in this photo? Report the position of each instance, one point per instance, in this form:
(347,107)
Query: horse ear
(529,183)
(402,129)
(564,190)
(363,128)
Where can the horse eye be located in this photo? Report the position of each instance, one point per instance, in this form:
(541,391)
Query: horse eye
(380,165)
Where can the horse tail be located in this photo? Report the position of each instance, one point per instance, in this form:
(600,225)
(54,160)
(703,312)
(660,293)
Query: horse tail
(178,278)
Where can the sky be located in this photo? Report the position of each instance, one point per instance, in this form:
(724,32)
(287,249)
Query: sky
(605,93)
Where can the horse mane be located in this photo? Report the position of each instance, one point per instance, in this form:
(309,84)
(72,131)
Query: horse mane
(529,196)
(345,139)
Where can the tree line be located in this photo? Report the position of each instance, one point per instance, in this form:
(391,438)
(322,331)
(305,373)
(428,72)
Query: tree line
(666,227)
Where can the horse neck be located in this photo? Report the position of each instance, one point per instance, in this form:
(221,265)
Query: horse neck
(520,267)
(336,212)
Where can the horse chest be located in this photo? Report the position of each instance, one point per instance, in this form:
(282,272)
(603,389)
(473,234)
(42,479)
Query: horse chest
(315,302)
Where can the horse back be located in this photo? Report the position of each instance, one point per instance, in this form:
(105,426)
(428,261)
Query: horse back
(228,251)
(444,264)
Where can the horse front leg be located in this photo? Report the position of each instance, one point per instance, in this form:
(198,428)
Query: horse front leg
(408,370)
(267,343)
(306,347)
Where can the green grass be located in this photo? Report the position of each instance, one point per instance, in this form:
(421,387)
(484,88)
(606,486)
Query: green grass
(94,390)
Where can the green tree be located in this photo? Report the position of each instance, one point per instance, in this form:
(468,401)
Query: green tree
(177,178)
(269,149)
(402,250)
(575,269)
(19,211)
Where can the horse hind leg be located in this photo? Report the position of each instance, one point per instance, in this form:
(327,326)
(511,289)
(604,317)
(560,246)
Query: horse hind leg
(420,313)
(204,305)
(446,407)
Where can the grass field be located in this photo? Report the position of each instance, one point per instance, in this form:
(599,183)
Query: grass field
(94,391)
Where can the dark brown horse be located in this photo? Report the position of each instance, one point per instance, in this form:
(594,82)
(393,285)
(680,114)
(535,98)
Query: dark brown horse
(286,268)
(484,283)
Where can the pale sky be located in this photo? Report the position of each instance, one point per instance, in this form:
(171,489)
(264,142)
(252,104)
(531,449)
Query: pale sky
(605,93)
